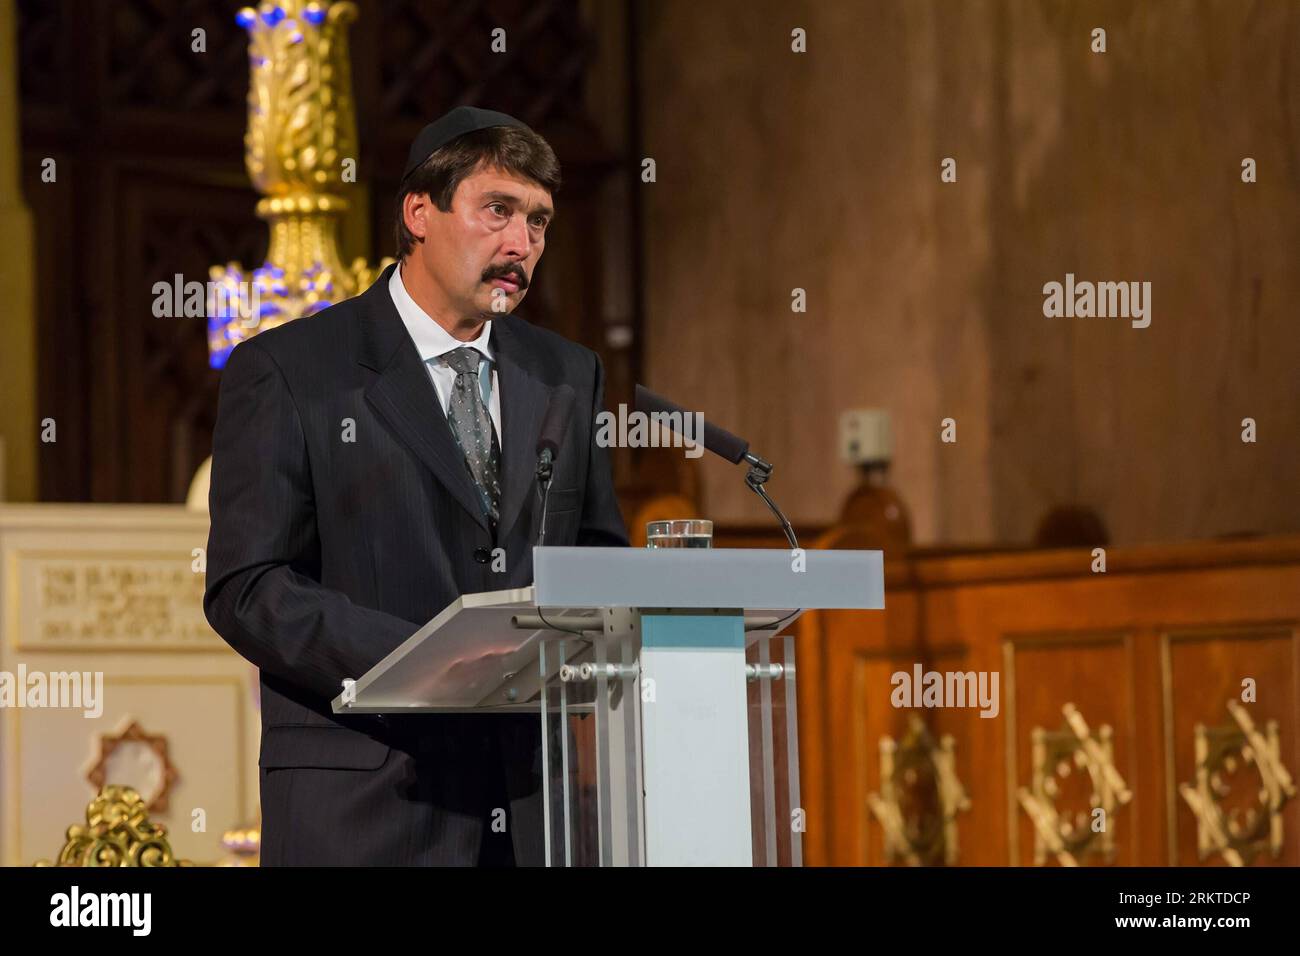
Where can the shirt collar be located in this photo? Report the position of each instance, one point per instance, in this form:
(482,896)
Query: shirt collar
(431,339)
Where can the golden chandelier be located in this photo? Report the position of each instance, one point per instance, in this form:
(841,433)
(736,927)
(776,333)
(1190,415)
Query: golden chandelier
(300,150)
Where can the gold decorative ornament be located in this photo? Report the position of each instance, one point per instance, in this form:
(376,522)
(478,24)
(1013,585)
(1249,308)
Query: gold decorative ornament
(920,797)
(1069,837)
(300,151)
(1239,833)
(117,833)
(157,747)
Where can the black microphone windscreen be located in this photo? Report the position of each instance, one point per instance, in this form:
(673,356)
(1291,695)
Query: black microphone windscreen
(717,440)
(556,420)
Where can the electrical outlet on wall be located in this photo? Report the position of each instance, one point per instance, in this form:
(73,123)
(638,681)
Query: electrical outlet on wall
(865,436)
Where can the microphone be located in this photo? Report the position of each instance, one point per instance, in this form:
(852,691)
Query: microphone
(721,442)
(554,424)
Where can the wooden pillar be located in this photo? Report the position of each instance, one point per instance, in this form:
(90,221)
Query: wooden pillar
(19,422)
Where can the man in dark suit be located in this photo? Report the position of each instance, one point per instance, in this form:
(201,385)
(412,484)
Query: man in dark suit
(367,464)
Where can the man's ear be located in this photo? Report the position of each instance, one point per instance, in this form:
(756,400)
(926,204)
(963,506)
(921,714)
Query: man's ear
(416,208)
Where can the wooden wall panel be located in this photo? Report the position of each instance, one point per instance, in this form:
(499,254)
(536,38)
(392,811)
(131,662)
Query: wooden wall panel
(1043,673)
(872,717)
(1157,643)
(1203,670)
(968,730)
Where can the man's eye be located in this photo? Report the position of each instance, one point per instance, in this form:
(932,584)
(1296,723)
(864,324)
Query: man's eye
(498,208)
(539,222)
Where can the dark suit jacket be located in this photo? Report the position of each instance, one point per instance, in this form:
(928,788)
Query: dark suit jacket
(327,553)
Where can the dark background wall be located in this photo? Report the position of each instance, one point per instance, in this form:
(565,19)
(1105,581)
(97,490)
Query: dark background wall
(820,171)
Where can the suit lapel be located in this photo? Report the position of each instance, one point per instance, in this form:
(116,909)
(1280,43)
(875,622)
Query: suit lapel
(404,397)
(524,397)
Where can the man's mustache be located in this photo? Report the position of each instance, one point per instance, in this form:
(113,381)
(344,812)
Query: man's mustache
(514,271)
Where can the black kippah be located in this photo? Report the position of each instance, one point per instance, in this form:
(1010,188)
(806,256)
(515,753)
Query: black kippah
(457,122)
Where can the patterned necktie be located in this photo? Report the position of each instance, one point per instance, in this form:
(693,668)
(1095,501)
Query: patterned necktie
(471,424)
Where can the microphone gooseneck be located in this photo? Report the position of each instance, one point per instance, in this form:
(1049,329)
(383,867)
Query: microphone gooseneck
(555,422)
(759,472)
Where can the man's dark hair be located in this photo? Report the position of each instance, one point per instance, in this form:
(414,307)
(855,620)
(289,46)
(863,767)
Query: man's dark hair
(510,148)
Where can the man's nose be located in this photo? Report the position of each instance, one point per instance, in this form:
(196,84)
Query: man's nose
(517,241)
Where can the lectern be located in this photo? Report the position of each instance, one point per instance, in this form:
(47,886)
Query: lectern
(664,685)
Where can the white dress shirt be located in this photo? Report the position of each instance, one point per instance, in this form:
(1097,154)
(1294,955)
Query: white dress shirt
(433,341)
